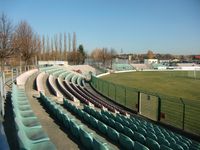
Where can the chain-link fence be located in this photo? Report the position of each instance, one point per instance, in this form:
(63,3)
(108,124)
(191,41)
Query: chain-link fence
(174,111)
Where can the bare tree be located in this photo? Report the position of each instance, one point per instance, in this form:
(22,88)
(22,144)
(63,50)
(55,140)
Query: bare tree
(60,46)
(7,40)
(52,50)
(29,41)
(69,42)
(65,46)
(56,46)
(43,48)
(74,41)
(47,48)
(74,49)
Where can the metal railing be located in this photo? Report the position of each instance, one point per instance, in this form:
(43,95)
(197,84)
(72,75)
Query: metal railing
(174,111)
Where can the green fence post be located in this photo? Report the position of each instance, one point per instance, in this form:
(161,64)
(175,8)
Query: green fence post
(125,96)
(183,123)
(115,92)
(159,108)
(138,106)
(108,89)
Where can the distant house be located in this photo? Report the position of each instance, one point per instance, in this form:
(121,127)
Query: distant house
(150,61)
(159,66)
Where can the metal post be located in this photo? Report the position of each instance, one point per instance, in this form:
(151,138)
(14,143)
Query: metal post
(183,119)
(12,75)
(159,108)
(115,92)
(125,97)
(138,107)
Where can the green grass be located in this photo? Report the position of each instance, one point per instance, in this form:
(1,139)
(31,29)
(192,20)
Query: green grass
(170,86)
(167,83)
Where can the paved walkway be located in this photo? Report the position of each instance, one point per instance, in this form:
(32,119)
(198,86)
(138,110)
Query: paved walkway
(58,135)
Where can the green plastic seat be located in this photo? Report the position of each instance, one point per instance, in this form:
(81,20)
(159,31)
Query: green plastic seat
(152,144)
(99,145)
(142,131)
(139,146)
(102,127)
(94,122)
(86,117)
(104,118)
(74,128)
(80,113)
(164,147)
(66,120)
(152,136)
(139,137)
(184,145)
(86,139)
(163,141)
(176,146)
(127,131)
(24,108)
(119,127)
(113,134)
(133,127)
(29,122)
(111,122)
(125,142)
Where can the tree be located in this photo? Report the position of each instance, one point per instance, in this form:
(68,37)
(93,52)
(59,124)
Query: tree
(8,44)
(69,42)
(43,48)
(65,46)
(29,41)
(60,46)
(81,54)
(150,54)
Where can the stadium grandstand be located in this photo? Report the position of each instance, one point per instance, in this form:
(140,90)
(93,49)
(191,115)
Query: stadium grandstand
(57,107)
(122,67)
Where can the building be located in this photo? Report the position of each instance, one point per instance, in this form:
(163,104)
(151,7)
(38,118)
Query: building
(150,61)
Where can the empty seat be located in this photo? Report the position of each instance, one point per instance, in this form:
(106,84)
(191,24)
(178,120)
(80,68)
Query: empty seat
(139,146)
(93,122)
(176,146)
(127,131)
(163,141)
(102,127)
(99,145)
(152,144)
(164,147)
(119,127)
(126,142)
(139,137)
(86,139)
(113,134)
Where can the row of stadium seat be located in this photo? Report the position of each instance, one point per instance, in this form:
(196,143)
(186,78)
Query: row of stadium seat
(158,136)
(88,138)
(96,101)
(143,132)
(122,67)
(120,138)
(29,130)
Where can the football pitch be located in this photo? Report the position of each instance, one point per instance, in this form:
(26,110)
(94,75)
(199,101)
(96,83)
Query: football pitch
(168,83)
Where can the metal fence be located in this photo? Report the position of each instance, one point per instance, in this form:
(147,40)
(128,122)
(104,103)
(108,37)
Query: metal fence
(178,112)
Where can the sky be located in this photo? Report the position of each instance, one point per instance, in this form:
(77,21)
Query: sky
(131,26)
